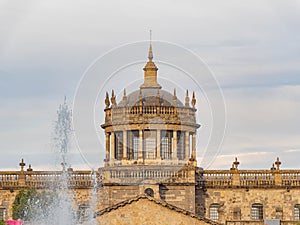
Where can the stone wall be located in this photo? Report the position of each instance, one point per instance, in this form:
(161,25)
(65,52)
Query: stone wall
(147,212)
(182,196)
(7,198)
(278,203)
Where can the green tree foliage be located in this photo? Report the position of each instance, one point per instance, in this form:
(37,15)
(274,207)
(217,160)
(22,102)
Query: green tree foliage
(29,203)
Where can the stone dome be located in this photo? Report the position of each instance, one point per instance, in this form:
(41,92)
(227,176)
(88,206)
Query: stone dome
(149,97)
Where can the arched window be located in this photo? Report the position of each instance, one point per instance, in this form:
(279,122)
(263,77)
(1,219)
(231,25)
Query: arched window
(214,211)
(296,212)
(257,211)
(150,192)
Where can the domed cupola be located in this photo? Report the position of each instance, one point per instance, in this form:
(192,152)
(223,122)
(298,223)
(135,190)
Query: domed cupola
(150,126)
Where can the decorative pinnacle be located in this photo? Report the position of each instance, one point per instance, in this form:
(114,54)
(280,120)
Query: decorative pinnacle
(22,164)
(107,102)
(113,98)
(150,54)
(193,100)
(124,97)
(29,168)
(187,99)
(277,163)
(236,163)
(273,167)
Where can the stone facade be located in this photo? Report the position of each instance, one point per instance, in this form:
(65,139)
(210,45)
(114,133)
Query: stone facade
(277,203)
(147,210)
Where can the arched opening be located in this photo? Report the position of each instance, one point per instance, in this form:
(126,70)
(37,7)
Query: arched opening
(149,191)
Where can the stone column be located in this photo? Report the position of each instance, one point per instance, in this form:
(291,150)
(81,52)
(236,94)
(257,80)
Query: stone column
(107,139)
(187,145)
(124,144)
(174,155)
(112,149)
(141,144)
(194,146)
(158,144)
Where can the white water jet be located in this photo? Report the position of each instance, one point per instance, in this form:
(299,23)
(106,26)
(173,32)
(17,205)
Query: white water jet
(61,208)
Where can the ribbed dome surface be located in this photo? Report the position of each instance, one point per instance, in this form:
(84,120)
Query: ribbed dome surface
(149,98)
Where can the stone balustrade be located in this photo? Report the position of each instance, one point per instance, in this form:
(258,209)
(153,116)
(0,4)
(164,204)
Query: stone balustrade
(139,174)
(249,178)
(160,174)
(258,222)
(131,114)
(45,179)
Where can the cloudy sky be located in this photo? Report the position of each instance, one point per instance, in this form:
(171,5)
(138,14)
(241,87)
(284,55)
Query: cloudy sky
(252,48)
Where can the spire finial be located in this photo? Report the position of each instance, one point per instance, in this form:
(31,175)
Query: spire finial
(125,98)
(113,98)
(187,99)
(193,100)
(107,102)
(277,163)
(22,164)
(150,54)
(236,163)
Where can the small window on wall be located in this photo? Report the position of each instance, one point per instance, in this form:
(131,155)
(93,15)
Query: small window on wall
(257,211)
(150,192)
(84,213)
(2,213)
(236,213)
(214,212)
(296,212)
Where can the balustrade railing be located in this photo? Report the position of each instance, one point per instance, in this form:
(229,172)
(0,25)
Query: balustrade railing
(132,112)
(250,178)
(291,178)
(207,178)
(9,179)
(213,178)
(45,179)
(136,174)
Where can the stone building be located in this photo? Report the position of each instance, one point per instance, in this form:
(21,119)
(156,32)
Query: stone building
(150,165)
